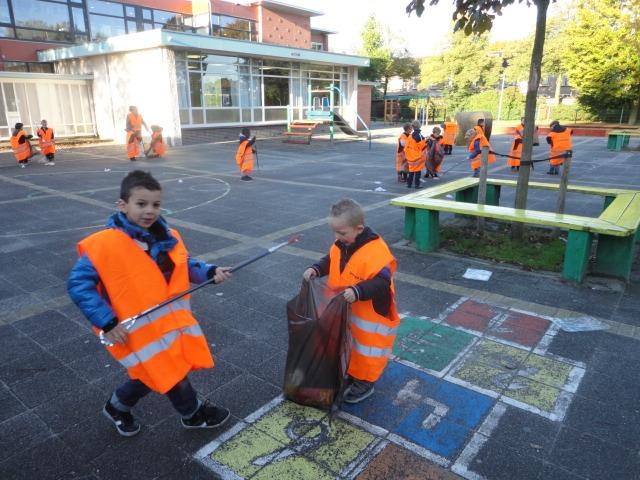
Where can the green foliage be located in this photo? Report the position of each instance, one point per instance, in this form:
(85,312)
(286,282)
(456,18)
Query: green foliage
(571,113)
(538,251)
(388,57)
(603,60)
(488,101)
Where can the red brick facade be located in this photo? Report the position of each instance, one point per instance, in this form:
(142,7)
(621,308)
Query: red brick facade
(284,28)
(364,102)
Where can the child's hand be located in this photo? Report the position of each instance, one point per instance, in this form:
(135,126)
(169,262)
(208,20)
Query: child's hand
(118,334)
(222,274)
(309,274)
(349,295)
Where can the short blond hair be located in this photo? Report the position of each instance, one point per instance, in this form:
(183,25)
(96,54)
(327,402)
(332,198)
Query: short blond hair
(348,209)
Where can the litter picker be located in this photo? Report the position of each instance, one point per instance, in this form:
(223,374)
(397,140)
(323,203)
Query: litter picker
(129,322)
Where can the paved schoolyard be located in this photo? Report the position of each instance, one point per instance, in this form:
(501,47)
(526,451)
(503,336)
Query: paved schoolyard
(484,383)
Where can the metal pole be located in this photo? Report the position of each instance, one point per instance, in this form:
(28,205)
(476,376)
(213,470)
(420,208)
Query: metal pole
(501,94)
(331,99)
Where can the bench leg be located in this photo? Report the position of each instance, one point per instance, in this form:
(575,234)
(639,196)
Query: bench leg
(409,223)
(427,230)
(576,255)
(493,195)
(469,195)
(614,256)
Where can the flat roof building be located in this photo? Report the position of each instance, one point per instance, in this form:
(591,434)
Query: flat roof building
(188,65)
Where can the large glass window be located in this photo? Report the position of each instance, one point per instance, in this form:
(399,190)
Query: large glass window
(5,17)
(233,27)
(42,15)
(104,27)
(276,92)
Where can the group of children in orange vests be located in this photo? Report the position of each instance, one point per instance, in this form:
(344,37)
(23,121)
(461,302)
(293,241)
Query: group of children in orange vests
(24,151)
(414,152)
(135,145)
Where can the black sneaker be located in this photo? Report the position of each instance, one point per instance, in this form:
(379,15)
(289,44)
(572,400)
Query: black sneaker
(246,178)
(207,416)
(358,391)
(124,421)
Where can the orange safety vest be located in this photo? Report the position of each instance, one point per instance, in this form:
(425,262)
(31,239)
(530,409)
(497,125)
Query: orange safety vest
(560,143)
(373,335)
(21,151)
(415,153)
(515,151)
(167,344)
(135,121)
(401,157)
(476,162)
(159,148)
(450,132)
(244,157)
(133,145)
(45,139)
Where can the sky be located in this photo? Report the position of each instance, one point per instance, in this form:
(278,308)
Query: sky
(424,36)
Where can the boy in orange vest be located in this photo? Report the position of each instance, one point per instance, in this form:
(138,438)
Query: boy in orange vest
(135,263)
(22,148)
(244,154)
(361,264)
(47,143)
(134,143)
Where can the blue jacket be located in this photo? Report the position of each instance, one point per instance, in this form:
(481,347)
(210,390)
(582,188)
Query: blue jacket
(476,149)
(84,279)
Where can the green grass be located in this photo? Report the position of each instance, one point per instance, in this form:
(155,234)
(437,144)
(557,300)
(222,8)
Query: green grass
(538,251)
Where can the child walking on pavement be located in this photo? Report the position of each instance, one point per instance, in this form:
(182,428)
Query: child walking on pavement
(137,262)
(361,264)
(244,154)
(416,155)
(435,153)
(401,157)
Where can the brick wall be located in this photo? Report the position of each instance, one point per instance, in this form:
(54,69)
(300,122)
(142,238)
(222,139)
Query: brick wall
(364,103)
(23,51)
(285,28)
(320,38)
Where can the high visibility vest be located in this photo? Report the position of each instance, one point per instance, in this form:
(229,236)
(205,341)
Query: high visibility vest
(159,148)
(415,153)
(560,143)
(449,134)
(401,157)
(45,139)
(21,151)
(135,121)
(515,151)
(244,157)
(373,334)
(476,162)
(133,145)
(165,345)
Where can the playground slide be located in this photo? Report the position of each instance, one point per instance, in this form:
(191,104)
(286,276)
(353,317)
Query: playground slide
(342,124)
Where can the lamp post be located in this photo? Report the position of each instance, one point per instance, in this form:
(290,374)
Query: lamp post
(505,64)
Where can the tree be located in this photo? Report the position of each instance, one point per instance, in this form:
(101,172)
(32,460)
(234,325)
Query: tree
(603,61)
(476,16)
(388,56)
(451,69)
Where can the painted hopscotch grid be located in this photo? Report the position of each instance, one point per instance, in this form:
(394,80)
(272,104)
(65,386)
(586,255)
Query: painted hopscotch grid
(286,440)
(520,372)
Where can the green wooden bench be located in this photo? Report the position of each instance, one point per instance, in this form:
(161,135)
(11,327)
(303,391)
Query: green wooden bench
(619,139)
(617,226)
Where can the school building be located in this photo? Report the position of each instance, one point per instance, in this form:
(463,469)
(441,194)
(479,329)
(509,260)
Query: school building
(192,67)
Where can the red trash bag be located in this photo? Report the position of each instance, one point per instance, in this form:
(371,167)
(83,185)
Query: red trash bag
(319,345)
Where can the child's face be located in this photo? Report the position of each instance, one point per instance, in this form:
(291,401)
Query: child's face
(344,232)
(143,207)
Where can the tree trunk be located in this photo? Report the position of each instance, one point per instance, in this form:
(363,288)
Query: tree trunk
(482,186)
(556,97)
(633,114)
(386,83)
(522,189)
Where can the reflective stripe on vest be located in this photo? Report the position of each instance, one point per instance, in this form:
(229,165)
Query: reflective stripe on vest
(182,304)
(372,327)
(152,349)
(371,351)
(244,157)
(20,150)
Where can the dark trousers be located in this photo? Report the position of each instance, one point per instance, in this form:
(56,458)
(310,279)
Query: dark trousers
(182,396)
(50,156)
(412,176)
